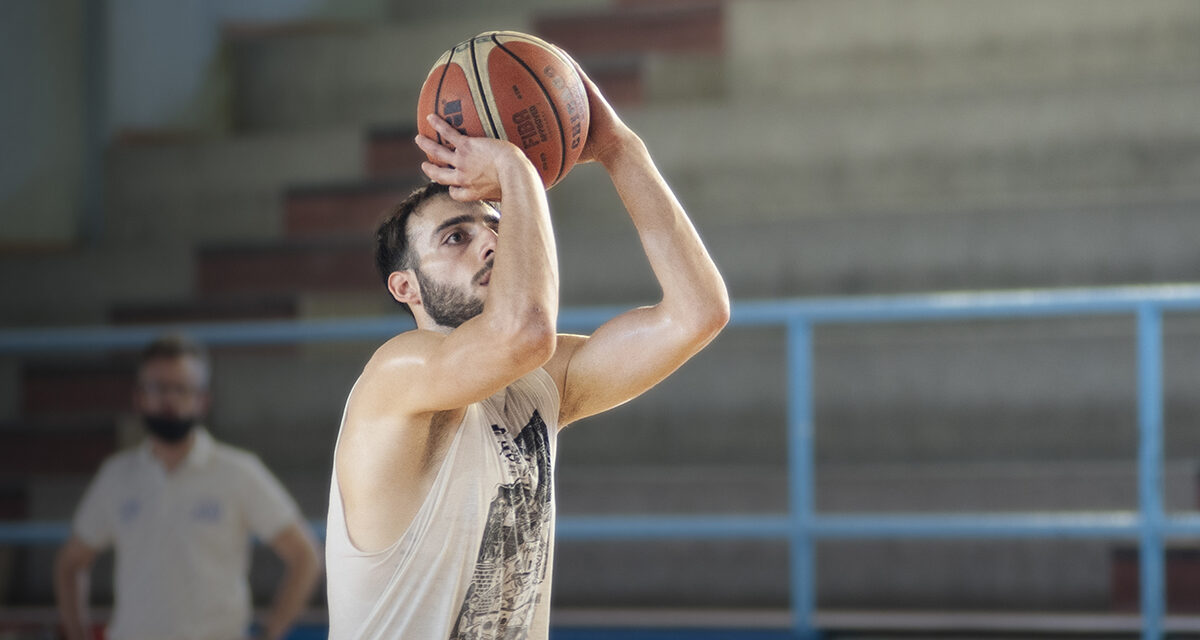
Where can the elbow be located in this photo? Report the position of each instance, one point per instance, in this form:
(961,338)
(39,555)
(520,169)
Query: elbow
(310,565)
(66,569)
(721,312)
(711,319)
(533,340)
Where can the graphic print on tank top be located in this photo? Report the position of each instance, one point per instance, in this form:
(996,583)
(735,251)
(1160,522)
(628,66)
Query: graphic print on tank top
(515,547)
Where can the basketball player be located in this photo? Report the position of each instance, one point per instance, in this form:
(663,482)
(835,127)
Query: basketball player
(441,515)
(180,510)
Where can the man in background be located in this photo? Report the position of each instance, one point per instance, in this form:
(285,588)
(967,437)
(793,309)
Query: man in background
(179,510)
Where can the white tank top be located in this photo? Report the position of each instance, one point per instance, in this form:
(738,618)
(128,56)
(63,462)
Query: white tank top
(475,563)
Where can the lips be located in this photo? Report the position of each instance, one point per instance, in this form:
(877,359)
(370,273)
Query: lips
(484,275)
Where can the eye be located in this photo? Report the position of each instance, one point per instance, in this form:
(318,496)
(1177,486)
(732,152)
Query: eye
(455,237)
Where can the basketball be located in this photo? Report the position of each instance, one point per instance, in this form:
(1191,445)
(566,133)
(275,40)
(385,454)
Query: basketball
(515,87)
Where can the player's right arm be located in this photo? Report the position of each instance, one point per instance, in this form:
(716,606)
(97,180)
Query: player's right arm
(72,568)
(428,371)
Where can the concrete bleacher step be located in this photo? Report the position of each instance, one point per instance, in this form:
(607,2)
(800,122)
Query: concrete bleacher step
(342,210)
(951,486)
(868,48)
(925,151)
(147,270)
(221,188)
(204,310)
(872,253)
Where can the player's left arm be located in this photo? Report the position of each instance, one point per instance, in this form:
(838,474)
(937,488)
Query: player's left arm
(639,348)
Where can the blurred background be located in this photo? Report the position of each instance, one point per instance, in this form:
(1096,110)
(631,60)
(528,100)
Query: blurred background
(215,160)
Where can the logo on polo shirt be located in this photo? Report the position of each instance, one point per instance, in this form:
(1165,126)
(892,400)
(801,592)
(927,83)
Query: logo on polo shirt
(207,510)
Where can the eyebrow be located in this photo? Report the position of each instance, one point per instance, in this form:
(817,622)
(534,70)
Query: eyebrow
(466,217)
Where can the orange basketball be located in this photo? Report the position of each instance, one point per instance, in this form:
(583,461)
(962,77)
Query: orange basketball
(515,87)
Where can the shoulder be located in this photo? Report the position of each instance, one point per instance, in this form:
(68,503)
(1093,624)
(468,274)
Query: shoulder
(229,458)
(119,464)
(378,392)
(406,348)
(400,355)
(117,473)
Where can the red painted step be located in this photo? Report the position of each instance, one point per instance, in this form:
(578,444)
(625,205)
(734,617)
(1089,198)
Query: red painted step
(658,26)
(289,267)
(391,152)
(76,388)
(1183,579)
(349,210)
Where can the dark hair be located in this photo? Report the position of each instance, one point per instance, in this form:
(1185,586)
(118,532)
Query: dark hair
(171,346)
(392,252)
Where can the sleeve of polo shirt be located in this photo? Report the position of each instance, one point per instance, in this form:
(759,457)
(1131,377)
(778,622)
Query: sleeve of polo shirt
(95,520)
(266,505)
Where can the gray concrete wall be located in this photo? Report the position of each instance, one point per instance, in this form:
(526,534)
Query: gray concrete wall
(41,121)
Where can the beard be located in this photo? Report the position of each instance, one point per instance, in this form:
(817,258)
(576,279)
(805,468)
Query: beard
(447,305)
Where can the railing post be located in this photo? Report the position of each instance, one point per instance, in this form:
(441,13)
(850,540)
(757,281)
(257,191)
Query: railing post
(801,475)
(1150,463)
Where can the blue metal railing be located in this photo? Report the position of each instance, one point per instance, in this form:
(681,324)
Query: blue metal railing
(1150,526)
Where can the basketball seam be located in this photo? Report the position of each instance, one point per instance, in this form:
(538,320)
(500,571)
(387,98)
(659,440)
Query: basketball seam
(487,109)
(562,134)
(552,48)
(437,95)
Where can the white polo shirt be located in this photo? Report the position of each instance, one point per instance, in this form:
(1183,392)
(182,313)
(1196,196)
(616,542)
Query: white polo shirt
(182,539)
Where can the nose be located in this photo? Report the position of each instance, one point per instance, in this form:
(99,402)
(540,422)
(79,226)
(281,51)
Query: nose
(489,238)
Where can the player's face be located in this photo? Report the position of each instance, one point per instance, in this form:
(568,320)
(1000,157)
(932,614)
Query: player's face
(456,243)
(172,387)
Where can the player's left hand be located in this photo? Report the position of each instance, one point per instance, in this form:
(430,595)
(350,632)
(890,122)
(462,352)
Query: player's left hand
(607,133)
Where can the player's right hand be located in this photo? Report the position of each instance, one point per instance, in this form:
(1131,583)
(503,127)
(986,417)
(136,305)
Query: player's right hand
(470,166)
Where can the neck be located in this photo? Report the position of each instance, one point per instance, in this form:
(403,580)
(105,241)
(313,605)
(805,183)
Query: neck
(171,454)
(426,323)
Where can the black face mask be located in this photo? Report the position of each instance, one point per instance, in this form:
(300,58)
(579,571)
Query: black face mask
(169,429)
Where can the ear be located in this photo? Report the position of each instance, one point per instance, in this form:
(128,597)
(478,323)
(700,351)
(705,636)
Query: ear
(404,288)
